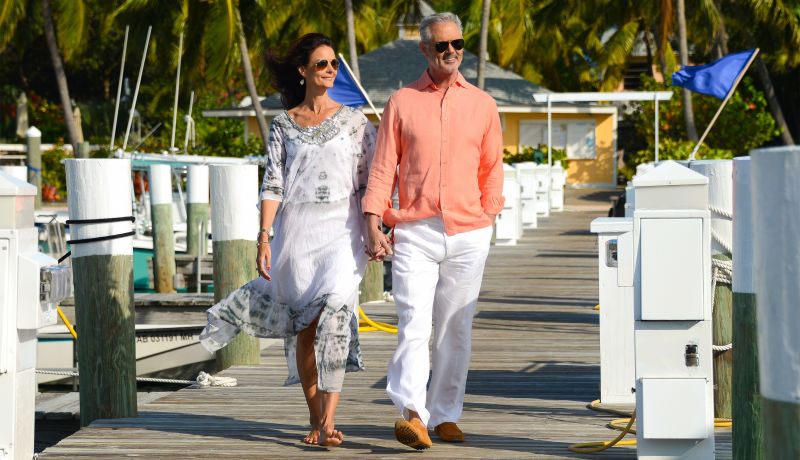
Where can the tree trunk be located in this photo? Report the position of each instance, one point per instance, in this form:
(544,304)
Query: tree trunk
(351,39)
(251,83)
(487,11)
(61,76)
(688,112)
(772,100)
(722,34)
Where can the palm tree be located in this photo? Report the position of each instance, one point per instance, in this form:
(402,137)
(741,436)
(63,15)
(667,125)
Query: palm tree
(70,33)
(482,49)
(351,38)
(688,113)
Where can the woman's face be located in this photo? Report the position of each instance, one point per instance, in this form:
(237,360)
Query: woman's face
(320,71)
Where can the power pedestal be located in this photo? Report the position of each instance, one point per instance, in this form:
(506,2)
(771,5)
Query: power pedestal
(672,312)
(615,275)
(31,284)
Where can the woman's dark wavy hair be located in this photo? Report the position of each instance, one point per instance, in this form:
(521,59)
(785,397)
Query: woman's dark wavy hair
(283,69)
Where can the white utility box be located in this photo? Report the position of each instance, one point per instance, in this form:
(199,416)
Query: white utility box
(615,276)
(31,284)
(672,314)
(558,181)
(542,191)
(509,221)
(526,175)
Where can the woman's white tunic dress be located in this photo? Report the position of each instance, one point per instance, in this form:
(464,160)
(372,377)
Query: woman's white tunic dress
(319,175)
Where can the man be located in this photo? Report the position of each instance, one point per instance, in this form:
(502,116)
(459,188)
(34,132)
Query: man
(444,134)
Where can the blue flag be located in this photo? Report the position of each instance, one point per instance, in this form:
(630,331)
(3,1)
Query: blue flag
(715,79)
(345,91)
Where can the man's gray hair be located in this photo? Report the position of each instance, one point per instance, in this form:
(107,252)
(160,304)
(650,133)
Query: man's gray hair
(428,21)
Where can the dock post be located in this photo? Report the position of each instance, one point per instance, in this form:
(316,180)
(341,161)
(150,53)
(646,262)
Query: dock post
(775,175)
(103,279)
(372,285)
(163,233)
(720,203)
(748,437)
(33,141)
(234,217)
(197,210)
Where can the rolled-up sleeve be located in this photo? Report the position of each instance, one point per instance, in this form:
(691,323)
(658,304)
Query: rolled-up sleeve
(490,171)
(272,186)
(384,165)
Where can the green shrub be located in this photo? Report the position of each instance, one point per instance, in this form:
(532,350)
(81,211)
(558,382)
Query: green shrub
(537,155)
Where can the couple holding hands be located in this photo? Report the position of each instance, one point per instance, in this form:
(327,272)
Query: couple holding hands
(326,192)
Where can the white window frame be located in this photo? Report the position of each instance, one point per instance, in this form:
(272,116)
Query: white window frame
(563,126)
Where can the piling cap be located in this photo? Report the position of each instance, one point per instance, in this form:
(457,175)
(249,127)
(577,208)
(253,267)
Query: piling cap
(11,186)
(669,173)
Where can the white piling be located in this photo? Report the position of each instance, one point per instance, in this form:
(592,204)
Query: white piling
(197,210)
(748,436)
(776,232)
(103,279)
(720,201)
(235,219)
(163,232)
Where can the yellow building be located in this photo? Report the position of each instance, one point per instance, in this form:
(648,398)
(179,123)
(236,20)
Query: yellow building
(588,132)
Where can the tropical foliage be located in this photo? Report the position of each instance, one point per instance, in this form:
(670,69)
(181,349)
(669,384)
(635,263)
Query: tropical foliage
(564,45)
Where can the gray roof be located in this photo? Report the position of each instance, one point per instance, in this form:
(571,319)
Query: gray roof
(398,63)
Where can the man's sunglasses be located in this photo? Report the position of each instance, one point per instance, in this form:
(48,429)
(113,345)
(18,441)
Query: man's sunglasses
(441,47)
(323,64)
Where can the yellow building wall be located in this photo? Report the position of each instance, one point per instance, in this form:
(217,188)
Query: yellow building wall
(599,170)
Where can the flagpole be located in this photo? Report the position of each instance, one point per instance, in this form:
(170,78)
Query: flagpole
(360,88)
(722,106)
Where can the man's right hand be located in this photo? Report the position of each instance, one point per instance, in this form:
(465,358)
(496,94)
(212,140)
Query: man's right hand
(378,244)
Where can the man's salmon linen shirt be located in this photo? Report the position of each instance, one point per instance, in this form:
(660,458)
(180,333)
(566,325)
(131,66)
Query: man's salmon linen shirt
(449,149)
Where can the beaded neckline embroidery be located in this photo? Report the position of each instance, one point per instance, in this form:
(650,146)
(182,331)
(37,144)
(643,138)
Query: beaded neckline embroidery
(318,134)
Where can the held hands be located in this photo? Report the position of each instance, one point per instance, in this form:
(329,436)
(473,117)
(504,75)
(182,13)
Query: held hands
(378,244)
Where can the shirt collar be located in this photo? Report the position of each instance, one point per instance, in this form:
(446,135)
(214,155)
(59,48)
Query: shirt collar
(425,80)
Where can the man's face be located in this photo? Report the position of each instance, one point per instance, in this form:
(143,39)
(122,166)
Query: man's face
(446,62)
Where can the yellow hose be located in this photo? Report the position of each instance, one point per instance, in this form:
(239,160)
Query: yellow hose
(366,324)
(66,322)
(599,446)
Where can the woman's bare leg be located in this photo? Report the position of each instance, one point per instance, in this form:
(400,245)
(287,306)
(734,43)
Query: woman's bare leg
(328,434)
(307,370)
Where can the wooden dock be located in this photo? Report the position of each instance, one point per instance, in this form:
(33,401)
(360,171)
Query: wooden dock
(535,366)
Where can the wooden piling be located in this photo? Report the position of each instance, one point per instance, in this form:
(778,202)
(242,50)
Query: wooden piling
(103,280)
(748,436)
(372,285)
(775,175)
(720,200)
(163,232)
(33,141)
(197,211)
(234,192)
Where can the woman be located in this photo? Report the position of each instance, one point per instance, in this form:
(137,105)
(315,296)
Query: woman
(317,170)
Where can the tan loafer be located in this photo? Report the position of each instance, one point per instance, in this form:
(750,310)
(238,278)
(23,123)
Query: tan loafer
(449,432)
(412,433)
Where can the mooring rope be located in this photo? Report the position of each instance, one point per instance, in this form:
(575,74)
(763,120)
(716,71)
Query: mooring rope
(203,380)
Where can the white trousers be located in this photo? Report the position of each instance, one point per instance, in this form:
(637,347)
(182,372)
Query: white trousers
(435,278)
